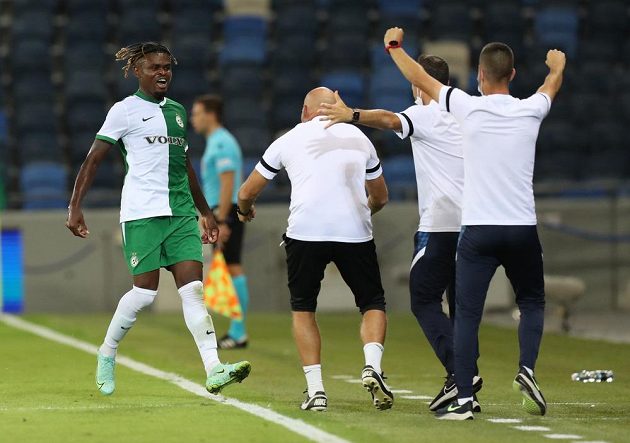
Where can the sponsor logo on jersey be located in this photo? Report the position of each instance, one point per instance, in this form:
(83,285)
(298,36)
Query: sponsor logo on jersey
(133,260)
(177,141)
(179,120)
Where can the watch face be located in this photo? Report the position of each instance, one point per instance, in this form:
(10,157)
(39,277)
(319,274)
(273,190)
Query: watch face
(355,116)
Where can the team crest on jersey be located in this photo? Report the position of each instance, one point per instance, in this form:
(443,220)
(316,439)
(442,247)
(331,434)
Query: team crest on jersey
(134,260)
(179,120)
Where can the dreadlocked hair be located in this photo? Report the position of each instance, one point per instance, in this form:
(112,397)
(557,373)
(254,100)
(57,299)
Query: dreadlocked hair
(136,51)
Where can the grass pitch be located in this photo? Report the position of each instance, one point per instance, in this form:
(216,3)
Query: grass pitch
(47,390)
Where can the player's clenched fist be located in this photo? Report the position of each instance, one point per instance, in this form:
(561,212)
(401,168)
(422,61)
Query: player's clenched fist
(555,60)
(393,35)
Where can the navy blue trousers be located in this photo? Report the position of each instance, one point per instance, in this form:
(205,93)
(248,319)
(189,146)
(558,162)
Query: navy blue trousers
(480,251)
(432,272)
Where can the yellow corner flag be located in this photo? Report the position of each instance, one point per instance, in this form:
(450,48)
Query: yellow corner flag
(219,292)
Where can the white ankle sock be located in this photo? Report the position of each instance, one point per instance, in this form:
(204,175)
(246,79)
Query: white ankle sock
(373,354)
(463,401)
(529,371)
(313,375)
(199,323)
(124,318)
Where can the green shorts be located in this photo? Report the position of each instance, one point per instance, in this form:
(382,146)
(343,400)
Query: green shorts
(158,242)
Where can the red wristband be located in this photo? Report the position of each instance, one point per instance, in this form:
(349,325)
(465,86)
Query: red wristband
(392,45)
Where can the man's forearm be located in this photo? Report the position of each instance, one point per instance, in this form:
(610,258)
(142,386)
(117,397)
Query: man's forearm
(552,83)
(415,73)
(82,183)
(225,204)
(379,119)
(198,198)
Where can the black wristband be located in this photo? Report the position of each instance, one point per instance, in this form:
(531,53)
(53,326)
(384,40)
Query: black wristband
(244,214)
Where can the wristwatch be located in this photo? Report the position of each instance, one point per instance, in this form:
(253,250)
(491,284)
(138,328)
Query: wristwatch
(356,114)
(244,214)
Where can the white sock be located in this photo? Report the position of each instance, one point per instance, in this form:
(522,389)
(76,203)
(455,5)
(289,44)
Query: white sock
(124,318)
(200,323)
(463,401)
(314,382)
(373,354)
(529,371)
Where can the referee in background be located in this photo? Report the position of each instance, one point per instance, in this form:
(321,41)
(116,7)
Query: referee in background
(329,221)
(498,214)
(222,174)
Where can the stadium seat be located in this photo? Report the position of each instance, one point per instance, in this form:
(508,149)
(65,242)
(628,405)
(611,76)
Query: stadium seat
(456,54)
(98,7)
(608,17)
(188,83)
(254,140)
(400,174)
(39,146)
(451,21)
(87,115)
(78,51)
(586,105)
(596,77)
(30,54)
(238,80)
(400,8)
(80,144)
(244,26)
(43,174)
(350,84)
(21,6)
(191,51)
(86,26)
(260,8)
(243,51)
(298,50)
(35,23)
(286,111)
(35,117)
(129,31)
(244,111)
(85,84)
(557,26)
(196,21)
(296,20)
(337,54)
(33,86)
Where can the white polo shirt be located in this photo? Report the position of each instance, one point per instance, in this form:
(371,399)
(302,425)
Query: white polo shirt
(327,169)
(436,143)
(500,133)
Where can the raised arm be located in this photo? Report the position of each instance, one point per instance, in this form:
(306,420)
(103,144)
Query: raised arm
(339,112)
(76,222)
(210,230)
(247,195)
(556,62)
(410,69)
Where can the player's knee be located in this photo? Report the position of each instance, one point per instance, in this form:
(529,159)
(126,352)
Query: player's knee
(375,302)
(137,299)
(192,291)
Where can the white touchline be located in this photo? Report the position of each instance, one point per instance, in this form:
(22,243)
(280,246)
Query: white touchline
(563,436)
(307,431)
(401,391)
(505,420)
(416,397)
(532,428)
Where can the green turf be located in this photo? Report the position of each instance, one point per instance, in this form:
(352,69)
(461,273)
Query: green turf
(36,373)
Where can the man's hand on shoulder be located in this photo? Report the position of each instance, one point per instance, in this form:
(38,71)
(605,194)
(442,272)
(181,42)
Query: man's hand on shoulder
(556,60)
(209,229)
(76,222)
(337,112)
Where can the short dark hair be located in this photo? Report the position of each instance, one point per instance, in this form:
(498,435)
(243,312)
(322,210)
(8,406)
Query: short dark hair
(436,67)
(212,103)
(497,61)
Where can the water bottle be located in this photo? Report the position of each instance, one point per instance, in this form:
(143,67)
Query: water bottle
(596,376)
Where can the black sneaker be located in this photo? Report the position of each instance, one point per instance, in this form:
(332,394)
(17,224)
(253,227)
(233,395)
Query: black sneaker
(318,402)
(382,397)
(476,405)
(449,392)
(227,342)
(455,411)
(533,400)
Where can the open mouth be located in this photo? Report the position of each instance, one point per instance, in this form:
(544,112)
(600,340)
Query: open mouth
(162,83)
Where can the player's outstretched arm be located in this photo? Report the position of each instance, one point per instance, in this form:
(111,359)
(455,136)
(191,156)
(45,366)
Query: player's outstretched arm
(410,69)
(76,222)
(209,228)
(339,112)
(247,195)
(556,61)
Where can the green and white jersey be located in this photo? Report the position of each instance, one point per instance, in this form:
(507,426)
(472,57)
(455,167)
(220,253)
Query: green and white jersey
(152,139)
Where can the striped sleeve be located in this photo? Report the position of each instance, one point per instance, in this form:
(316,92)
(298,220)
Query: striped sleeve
(271,161)
(373,168)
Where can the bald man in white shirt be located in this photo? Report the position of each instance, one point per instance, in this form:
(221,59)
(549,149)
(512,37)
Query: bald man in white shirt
(329,221)
(498,213)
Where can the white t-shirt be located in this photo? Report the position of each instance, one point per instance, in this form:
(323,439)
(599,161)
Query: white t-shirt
(500,134)
(436,142)
(328,169)
(152,139)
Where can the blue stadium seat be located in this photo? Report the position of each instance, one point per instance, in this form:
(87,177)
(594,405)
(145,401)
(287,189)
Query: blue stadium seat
(196,21)
(236,27)
(85,84)
(339,57)
(300,50)
(39,146)
(596,77)
(191,50)
(350,84)
(43,174)
(600,50)
(93,6)
(35,117)
(237,80)
(557,26)
(296,19)
(33,86)
(30,54)
(295,81)
(35,23)
(254,140)
(86,116)
(244,50)
(80,144)
(86,25)
(244,111)
(188,83)
(286,111)
(129,31)
(21,6)
(412,24)
(400,174)
(451,21)
(400,8)
(78,51)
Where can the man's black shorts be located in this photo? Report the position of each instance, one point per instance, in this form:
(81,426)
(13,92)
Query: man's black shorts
(357,264)
(233,248)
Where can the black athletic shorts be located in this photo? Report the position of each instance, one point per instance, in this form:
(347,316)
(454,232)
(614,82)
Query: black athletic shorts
(357,264)
(233,248)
